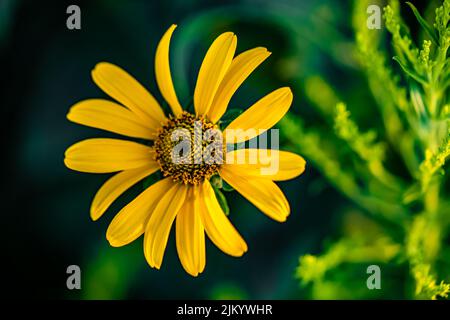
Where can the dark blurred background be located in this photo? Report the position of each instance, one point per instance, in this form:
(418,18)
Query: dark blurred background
(46,225)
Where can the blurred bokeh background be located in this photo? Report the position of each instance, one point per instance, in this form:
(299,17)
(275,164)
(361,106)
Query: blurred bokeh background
(45,206)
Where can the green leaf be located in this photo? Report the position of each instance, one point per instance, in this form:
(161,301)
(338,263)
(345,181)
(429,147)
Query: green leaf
(424,24)
(216,181)
(226,187)
(222,200)
(410,72)
(412,194)
(147,182)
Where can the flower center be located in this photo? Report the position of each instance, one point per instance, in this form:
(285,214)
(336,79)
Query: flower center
(189,149)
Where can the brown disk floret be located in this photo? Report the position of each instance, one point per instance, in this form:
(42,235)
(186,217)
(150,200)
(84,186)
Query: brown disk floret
(189,167)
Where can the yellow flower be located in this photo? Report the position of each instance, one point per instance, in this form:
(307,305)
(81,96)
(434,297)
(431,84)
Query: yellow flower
(185,194)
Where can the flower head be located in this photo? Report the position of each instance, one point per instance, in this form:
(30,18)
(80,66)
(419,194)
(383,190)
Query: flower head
(188,149)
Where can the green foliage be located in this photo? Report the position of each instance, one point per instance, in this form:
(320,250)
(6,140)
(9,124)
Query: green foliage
(361,143)
(105,272)
(426,285)
(222,200)
(228,291)
(434,162)
(395,171)
(365,244)
(313,268)
(327,98)
(421,250)
(431,32)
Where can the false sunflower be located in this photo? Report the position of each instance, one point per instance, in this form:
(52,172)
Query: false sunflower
(185,194)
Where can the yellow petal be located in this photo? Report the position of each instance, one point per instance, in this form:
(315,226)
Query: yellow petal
(160,222)
(162,71)
(218,228)
(116,185)
(265,163)
(214,66)
(110,116)
(260,117)
(190,235)
(129,224)
(241,67)
(107,155)
(263,193)
(120,85)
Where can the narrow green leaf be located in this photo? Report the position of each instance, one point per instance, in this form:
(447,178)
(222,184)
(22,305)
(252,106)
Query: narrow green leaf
(222,200)
(424,24)
(410,72)
(226,187)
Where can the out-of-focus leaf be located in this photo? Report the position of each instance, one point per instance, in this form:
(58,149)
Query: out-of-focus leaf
(412,194)
(110,273)
(417,102)
(228,291)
